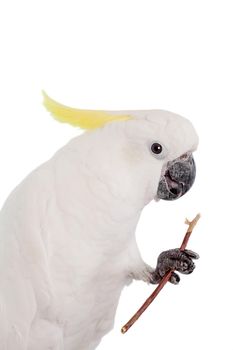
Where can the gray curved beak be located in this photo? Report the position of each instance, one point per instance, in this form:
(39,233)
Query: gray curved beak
(178,178)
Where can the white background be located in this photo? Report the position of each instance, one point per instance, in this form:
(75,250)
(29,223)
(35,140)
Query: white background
(123,54)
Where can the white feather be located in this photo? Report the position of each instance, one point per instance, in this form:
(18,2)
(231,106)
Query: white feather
(67,245)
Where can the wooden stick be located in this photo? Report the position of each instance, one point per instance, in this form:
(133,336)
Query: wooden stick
(165,279)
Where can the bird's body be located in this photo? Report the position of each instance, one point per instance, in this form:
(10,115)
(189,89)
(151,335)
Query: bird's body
(67,243)
(73,263)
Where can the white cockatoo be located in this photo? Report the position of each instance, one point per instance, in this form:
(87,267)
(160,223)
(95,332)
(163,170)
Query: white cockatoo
(67,232)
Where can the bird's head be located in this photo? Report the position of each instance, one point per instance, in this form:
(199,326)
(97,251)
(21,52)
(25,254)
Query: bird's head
(139,153)
(160,145)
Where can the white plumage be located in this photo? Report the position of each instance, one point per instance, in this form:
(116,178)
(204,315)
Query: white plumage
(67,244)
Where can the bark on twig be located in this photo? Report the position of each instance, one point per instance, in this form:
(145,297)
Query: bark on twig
(165,279)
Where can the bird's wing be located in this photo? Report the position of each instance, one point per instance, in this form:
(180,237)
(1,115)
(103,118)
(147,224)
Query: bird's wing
(23,264)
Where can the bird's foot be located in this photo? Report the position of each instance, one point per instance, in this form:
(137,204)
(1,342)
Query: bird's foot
(174,259)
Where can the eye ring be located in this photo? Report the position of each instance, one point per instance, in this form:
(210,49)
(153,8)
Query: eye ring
(157,148)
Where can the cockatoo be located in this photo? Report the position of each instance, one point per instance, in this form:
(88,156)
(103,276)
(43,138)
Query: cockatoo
(67,232)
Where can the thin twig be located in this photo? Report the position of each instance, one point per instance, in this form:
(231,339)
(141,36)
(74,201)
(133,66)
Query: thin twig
(165,279)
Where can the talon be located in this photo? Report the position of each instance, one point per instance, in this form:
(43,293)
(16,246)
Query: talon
(175,278)
(191,254)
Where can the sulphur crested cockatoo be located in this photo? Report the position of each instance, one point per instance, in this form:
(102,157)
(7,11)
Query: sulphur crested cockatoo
(67,232)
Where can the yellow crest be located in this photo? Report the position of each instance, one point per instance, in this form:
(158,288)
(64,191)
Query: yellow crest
(85,119)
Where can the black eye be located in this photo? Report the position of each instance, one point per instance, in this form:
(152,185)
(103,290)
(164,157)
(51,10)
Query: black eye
(156,148)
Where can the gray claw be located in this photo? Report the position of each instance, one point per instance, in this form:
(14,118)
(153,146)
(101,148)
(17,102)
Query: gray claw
(191,254)
(175,278)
